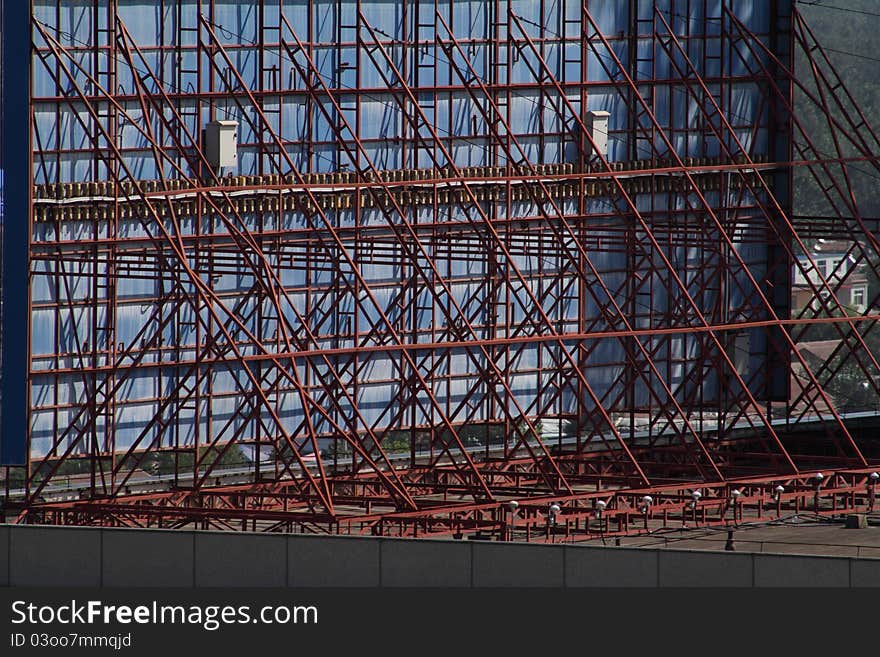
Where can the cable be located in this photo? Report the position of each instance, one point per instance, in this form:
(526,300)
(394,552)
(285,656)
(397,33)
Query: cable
(842,9)
(850,54)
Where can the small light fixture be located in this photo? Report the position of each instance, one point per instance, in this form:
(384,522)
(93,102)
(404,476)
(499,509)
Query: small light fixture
(512,506)
(554,512)
(874,477)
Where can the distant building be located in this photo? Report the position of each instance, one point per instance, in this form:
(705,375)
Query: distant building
(833,265)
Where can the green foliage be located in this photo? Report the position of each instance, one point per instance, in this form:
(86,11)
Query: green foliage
(586,426)
(164,463)
(16,477)
(848,386)
(472,436)
(840,32)
(398,440)
(70,467)
(851,40)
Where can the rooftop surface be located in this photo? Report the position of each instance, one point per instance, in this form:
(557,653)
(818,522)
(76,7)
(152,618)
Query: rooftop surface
(791,536)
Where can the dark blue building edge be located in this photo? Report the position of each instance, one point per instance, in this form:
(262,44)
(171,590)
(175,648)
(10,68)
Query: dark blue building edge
(15,230)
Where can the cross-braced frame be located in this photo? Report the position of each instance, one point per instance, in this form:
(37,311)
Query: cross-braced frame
(430,289)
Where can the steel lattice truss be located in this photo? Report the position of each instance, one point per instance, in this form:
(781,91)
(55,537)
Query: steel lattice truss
(651,293)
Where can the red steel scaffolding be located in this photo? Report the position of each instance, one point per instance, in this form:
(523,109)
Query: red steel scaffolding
(419,309)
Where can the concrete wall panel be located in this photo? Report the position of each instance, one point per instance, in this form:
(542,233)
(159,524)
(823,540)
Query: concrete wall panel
(865,573)
(148,558)
(343,561)
(55,556)
(610,567)
(426,563)
(777,570)
(230,559)
(499,564)
(698,569)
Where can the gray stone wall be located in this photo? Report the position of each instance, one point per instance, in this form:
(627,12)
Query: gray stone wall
(68,556)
